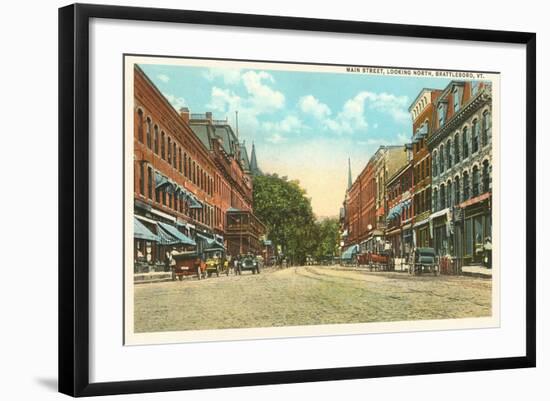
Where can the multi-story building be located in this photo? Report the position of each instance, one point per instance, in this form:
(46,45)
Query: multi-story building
(400,210)
(189,170)
(461,149)
(422,113)
(366,201)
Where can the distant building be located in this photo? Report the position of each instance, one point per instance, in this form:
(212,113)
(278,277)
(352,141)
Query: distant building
(366,201)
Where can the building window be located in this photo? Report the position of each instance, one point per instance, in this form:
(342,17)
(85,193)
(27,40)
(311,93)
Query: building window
(475,136)
(441,114)
(448,154)
(149,182)
(442,197)
(149,133)
(449,193)
(141,179)
(180,161)
(465,186)
(157,195)
(185,164)
(441,160)
(435,199)
(140,125)
(162,148)
(169,150)
(486,179)
(456,100)
(475,88)
(156,140)
(194,174)
(465,143)
(485,134)
(457,190)
(475,181)
(457,149)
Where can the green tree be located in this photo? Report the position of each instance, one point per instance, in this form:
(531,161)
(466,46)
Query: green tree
(283,206)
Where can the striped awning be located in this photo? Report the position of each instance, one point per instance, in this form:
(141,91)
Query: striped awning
(143,233)
(170,235)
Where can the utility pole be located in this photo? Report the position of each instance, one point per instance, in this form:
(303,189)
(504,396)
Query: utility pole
(237,122)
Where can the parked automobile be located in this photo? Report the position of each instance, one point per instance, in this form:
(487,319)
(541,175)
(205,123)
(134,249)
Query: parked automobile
(248,262)
(188,264)
(425,260)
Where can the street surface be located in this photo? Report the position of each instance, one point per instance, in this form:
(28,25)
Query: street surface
(306,295)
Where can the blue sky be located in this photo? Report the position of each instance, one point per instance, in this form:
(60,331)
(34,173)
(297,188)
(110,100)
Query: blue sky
(304,124)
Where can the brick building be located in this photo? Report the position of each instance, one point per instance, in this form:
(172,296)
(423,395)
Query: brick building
(365,206)
(400,211)
(461,148)
(423,124)
(188,172)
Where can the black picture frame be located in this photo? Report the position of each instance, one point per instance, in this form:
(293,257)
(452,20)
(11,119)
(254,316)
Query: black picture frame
(74,194)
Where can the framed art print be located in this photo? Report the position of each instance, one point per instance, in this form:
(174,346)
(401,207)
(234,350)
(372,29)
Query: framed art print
(261,210)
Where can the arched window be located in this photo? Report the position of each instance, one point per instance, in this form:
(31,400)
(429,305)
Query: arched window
(486,178)
(485,134)
(475,136)
(175,155)
(162,147)
(169,150)
(457,149)
(434,164)
(180,161)
(449,193)
(465,186)
(442,197)
(475,181)
(465,142)
(140,125)
(457,190)
(435,199)
(156,140)
(441,160)
(185,164)
(448,154)
(149,124)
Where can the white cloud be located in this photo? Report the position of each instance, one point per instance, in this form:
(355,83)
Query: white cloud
(352,116)
(276,138)
(176,101)
(263,99)
(288,125)
(163,77)
(311,105)
(230,76)
(223,100)
(395,106)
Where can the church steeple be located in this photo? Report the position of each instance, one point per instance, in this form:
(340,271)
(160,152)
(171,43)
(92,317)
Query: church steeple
(254,169)
(349,174)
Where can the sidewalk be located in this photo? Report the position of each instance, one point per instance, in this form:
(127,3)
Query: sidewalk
(152,277)
(477,271)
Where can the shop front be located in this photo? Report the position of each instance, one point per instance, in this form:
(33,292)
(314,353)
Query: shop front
(477,236)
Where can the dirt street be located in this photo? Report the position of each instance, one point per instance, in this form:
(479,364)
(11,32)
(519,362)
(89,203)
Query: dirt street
(306,295)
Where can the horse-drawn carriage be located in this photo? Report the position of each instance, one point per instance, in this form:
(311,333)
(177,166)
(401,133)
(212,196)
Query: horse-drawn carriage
(375,260)
(424,260)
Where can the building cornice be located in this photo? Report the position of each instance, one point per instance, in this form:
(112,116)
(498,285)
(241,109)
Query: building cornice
(458,118)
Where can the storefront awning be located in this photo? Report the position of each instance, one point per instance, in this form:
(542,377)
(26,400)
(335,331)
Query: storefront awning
(163,182)
(211,243)
(142,232)
(350,252)
(174,236)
